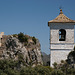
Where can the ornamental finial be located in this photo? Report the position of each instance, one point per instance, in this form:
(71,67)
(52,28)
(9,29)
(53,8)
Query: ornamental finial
(60,10)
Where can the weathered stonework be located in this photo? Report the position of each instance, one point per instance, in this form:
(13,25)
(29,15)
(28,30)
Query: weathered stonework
(59,50)
(1,34)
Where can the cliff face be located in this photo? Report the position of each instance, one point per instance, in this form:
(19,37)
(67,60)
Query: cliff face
(29,52)
(46,59)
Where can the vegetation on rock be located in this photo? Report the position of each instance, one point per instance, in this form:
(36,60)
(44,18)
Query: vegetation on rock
(10,67)
(34,39)
(21,48)
(25,38)
(22,37)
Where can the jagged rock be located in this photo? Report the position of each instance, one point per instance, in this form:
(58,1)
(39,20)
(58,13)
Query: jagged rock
(46,59)
(13,48)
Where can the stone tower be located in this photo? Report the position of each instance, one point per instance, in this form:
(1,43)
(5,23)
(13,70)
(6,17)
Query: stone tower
(61,37)
(1,34)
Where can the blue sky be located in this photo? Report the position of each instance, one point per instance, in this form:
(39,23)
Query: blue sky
(32,16)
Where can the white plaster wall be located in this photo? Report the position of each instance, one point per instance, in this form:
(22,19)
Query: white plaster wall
(54,33)
(58,55)
(64,46)
(60,49)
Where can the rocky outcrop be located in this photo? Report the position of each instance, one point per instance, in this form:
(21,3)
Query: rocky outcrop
(12,48)
(46,59)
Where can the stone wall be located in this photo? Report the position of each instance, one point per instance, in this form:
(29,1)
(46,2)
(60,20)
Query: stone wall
(1,34)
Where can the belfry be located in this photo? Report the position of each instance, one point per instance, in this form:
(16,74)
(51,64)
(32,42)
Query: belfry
(61,37)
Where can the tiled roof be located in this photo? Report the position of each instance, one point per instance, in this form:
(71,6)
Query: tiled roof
(61,18)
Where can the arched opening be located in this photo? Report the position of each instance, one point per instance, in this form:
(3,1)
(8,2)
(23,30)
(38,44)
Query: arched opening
(62,35)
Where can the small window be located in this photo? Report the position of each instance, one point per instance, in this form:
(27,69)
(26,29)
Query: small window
(62,35)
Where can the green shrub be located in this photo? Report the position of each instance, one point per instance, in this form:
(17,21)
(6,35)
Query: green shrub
(25,39)
(25,44)
(34,39)
(10,71)
(10,67)
(7,67)
(3,74)
(55,65)
(22,38)
(57,72)
(50,68)
(42,70)
(28,71)
(70,71)
(14,35)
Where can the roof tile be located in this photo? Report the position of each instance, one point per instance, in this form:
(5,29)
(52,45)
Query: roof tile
(61,18)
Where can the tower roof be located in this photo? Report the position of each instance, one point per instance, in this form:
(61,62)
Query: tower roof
(61,18)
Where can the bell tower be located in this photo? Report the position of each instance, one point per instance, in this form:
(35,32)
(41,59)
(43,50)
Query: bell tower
(1,34)
(61,37)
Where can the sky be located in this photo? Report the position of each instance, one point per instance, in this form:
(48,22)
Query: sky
(31,17)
